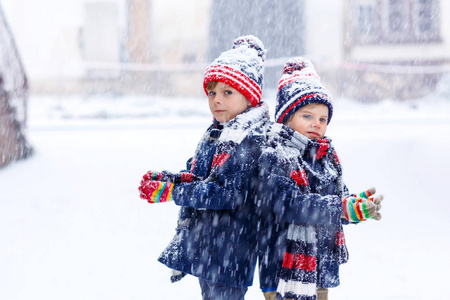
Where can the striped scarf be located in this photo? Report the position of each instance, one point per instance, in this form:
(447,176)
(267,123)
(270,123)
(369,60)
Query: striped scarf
(299,274)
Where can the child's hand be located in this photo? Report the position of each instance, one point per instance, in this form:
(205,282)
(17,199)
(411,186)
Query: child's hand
(156,191)
(170,177)
(357,208)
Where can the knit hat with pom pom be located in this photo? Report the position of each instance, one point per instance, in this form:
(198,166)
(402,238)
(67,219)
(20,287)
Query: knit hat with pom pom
(241,67)
(299,86)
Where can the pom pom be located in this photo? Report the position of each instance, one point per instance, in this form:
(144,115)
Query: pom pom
(253,42)
(296,64)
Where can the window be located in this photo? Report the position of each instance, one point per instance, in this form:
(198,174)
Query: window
(397,17)
(366,19)
(394,21)
(426,15)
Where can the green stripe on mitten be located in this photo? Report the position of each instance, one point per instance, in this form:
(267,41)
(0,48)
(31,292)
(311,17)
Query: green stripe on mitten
(358,208)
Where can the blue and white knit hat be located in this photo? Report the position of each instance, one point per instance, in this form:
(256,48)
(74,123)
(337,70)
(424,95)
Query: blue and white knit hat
(241,67)
(299,86)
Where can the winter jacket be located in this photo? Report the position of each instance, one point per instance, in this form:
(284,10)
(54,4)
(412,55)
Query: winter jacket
(216,236)
(301,192)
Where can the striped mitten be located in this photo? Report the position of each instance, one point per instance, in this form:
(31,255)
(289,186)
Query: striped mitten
(358,208)
(156,191)
(157,187)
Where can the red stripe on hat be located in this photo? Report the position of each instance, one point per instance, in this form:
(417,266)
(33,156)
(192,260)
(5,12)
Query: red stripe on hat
(295,77)
(298,101)
(238,80)
(253,86)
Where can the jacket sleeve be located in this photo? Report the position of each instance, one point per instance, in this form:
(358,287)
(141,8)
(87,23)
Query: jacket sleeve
(281,194)
(229,187)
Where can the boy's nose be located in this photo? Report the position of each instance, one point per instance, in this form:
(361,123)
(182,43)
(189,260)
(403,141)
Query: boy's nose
(217,99)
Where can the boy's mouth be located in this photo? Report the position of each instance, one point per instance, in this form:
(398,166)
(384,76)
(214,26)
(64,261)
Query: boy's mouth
(312,133)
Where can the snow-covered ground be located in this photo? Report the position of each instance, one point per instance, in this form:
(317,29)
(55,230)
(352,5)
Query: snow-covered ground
(72,225)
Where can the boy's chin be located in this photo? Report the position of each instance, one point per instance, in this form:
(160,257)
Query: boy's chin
(221,120)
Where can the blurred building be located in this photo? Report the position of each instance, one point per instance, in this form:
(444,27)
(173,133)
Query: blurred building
(394,48)
(365,49)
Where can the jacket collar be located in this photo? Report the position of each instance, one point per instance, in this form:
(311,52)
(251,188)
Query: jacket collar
(284,135)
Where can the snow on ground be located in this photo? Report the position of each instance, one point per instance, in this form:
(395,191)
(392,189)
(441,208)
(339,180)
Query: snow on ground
(73,227)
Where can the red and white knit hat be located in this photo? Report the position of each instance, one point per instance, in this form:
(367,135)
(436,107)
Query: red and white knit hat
(241,67)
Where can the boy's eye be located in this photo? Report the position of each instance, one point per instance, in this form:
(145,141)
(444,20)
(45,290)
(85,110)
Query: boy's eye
(228,92)
(307,116)
(211,93)
(323,120)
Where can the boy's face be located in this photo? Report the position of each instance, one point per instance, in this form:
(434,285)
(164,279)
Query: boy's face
(226,102)
(310,120)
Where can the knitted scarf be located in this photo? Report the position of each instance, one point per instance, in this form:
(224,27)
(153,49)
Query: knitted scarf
(251,122)
(298,276)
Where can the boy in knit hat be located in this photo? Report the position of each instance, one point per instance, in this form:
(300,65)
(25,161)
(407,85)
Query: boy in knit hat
(302,189)
(216,235)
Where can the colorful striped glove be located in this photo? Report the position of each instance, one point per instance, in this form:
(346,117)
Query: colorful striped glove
(156,191)
(358,208)
(157,187)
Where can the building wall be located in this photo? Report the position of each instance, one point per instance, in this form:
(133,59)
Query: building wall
(445,24)
(324,30)
(180,30)
(47,33)
(402,53)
